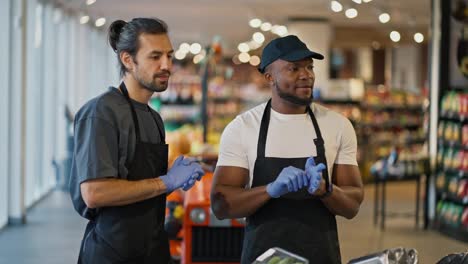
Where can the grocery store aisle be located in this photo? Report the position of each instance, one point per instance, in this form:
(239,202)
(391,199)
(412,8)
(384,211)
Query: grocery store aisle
(54,232)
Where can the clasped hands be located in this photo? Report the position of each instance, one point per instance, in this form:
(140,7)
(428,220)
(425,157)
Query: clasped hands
(183,174)
(292,179)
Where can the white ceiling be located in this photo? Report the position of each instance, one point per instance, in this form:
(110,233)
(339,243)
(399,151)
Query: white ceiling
(201,20)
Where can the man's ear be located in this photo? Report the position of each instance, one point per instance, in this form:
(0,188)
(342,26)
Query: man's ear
(127,60)
(268,77)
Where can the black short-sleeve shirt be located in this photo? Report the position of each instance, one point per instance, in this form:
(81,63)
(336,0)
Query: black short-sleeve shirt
(105,140)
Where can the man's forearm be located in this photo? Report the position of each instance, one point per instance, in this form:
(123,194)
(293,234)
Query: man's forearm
(117,192)
(236,202)
(344,201)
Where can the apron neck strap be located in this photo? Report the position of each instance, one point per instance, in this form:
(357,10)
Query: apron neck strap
(124,90)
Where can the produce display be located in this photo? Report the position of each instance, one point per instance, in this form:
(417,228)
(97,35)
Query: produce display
(279,256)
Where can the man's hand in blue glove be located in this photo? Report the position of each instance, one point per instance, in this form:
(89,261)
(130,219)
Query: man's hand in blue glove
(314,174)
(195,177)
(291,179)
(181,172)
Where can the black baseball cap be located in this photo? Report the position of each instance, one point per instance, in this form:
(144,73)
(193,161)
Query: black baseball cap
(289,48)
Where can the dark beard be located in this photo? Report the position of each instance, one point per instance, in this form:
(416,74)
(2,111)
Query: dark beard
(151,86)
(292,98)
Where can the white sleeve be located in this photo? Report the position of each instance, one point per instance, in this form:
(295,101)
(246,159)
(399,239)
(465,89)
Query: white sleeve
(347,145)
(231,150)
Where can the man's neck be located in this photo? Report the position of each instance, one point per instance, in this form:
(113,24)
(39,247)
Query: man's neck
(287,108)
(136,91)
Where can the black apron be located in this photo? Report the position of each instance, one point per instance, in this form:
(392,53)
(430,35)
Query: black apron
(132,233)
(297,222)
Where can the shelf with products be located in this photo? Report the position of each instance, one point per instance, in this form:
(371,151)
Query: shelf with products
(384,119)
(452,219)
(452,164)
(223,105)
(393,119)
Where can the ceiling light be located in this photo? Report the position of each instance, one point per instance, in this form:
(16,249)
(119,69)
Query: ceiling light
(244,57)
(367,1)
(357,1)
(254,60)
(254,45)
(90,2)
(84,19)
(336,6)
(195,48)
(384,18)
(100,22)
(243,47)
(255,23)
(235,60)
(180,55)
(274,29)
(351,13)
(184,47)
(395,36)
(258,37)
(265,26)
(198,58)
(418,37)
(282,31)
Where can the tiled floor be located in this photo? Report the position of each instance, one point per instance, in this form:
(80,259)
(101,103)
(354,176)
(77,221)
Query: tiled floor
(359,237)
(54,232)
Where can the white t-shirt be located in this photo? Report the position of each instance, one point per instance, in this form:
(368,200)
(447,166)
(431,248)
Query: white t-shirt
(289,136)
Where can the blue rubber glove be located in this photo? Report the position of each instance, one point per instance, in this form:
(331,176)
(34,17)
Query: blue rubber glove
(291,179)
(314,174)
(180,173)
(193,179)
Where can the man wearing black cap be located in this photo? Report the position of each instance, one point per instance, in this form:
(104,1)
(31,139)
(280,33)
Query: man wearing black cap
(288,166)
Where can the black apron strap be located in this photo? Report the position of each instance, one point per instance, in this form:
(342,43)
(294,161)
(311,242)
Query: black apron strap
(124,90)
(320,145)
(263,131)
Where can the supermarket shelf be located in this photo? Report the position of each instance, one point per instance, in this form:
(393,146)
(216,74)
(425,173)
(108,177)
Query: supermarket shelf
(411,141)
(452,144)
(455,173)
(338,101)
(458,89)
(454,118)
(452,198)
(182,121)
(451,231)
(409,108)
(391,125)
(223,100)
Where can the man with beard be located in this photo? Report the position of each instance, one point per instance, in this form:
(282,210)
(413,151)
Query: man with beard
(120,175)
(288,165)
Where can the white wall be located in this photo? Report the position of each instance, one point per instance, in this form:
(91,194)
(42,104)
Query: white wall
(4,109)
(406,68)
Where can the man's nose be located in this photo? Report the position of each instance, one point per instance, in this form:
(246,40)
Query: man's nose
(166,63)
(304,73)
